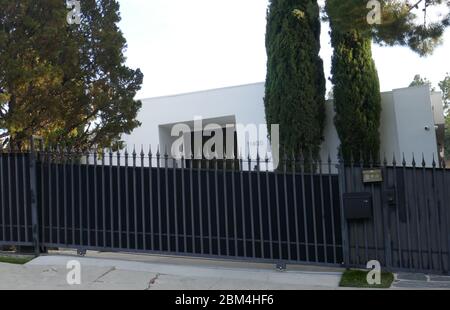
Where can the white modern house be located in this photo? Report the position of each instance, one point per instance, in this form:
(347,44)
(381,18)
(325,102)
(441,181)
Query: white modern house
(412,122)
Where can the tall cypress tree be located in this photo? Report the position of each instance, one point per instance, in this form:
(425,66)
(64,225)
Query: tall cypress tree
(355,79)
(295,84)
(357,98)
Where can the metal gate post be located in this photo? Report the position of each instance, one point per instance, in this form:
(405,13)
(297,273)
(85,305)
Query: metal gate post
(386,221)
(344,227)
(33,198)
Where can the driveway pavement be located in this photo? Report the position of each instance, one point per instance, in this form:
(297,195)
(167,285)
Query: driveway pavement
(105,271)
(101,271)
(420,281)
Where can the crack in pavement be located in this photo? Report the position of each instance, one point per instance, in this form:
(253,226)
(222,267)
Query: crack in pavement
(152,281)
(103,275)
(50,270)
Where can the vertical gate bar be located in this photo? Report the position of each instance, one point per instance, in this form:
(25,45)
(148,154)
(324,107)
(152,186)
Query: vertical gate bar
(104,197)
(158,183)
(151,191)
(244,232)
(261,230)
(8,190)
(225,205)
(191,193)
(313,195)
(200,206)
(183,196)
(277,200)
(294,190)
(50,187)
(387,221)
(344,227)
(64,164)
(175,206)
(16,183)
(33,197)
(150,183)
(208,197)
(11,233)
(305,214)
(144,230)
(366,249)
(111,198)
(416,201)
(400,250)
(166,187)
(447,212)
(57,164)
(80,195)
(8,164)
(25,157)
(88,199)
(233,189)
(119,203)
(216,185)
(354,227)
(2,198)
(135,200)
(382,219)
(71,161)
(322,204)
(96,197)
(407,204)
(72,193)
(286,207)
(330,189)
(437,216)
(427,213)
(127,199)
(43,159)
(252,220)
(269,209)
(375,229)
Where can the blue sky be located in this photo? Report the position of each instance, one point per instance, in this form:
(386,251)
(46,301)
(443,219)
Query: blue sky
(184,46)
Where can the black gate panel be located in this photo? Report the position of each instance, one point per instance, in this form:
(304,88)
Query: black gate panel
(411,218)
(202,211)
(15,212)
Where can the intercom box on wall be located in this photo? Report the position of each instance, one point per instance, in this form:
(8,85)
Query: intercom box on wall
(358,206)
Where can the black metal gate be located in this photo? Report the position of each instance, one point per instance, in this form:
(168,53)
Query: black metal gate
(239,210)
(145,203)
(409,226)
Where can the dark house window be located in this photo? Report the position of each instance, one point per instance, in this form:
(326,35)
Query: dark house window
(221,163)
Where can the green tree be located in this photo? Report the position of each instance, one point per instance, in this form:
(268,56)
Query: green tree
(357,98)
(400,24)
(444,86)
(354,75)
(356,89)
(295,84)
(66,83)
(419,81)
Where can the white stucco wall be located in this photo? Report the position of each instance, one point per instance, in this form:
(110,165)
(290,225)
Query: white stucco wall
(405,114)
(330,145)
(244,104)
(438,107)
(415,123)
(388,128)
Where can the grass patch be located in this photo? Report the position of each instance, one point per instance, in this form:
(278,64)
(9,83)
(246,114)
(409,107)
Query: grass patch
(15,260)
(358,278)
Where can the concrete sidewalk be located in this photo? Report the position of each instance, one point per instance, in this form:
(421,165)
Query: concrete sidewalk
(101,271)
